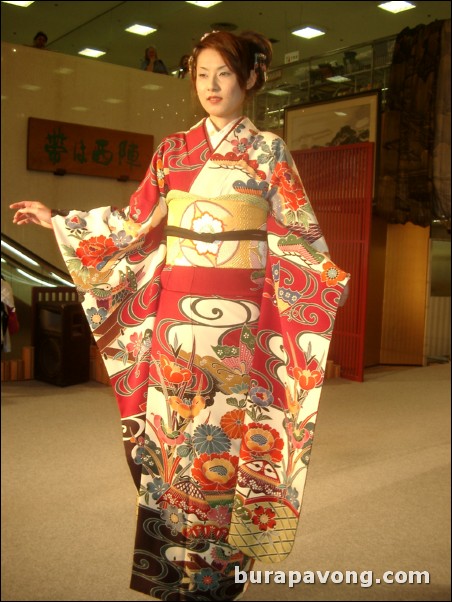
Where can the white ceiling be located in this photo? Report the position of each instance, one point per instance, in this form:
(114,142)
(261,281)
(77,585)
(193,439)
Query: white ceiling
(71,26)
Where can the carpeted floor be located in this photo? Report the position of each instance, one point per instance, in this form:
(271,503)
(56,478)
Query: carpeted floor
(377,497)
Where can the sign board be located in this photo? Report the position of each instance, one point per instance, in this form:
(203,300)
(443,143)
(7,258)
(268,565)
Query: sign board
(68,148)
(292,57)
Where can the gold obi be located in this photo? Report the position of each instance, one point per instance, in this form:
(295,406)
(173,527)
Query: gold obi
(227,213)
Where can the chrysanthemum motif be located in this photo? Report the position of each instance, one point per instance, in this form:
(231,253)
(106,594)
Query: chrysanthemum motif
(232,423)
(210,439)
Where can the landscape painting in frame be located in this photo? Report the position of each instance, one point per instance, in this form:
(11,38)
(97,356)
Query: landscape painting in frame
(344,120)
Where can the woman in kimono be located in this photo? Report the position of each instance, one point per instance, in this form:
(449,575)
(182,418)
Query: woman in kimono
(212,299)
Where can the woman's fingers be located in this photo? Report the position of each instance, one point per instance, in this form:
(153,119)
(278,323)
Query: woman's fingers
(32,212)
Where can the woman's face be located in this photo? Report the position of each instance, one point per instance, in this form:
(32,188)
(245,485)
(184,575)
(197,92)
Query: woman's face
(218,89)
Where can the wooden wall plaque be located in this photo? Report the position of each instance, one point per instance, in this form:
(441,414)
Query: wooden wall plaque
(69,148)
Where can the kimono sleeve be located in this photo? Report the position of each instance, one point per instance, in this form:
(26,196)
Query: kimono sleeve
(94,242)
(299,302)
(290,204)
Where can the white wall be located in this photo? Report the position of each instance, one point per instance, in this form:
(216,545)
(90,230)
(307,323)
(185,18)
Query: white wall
(50,85)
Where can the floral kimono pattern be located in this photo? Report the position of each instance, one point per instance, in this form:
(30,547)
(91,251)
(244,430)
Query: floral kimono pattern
(216,350)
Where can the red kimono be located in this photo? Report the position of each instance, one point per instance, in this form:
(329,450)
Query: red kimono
(212,302)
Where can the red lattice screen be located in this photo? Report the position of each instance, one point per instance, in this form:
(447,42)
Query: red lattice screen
(339,183)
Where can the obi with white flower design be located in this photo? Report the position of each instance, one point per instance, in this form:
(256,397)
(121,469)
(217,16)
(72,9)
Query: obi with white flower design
(235,212)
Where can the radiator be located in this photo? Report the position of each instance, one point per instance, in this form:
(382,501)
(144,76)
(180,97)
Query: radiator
(438,327)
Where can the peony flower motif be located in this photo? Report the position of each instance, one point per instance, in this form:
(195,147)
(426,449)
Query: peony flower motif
(264,518)
(135,345)
(172,372)
(92,251)
(209,439)
(261,442)
(332,274)
(216,472)
(187,408)
(232,423)
(96,316)
(261,397)
(289,185)
(207,223)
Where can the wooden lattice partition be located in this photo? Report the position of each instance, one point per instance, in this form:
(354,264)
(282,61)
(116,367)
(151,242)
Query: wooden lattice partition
(339,182)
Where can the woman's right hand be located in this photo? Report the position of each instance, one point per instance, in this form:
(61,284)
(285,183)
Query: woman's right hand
(32,212)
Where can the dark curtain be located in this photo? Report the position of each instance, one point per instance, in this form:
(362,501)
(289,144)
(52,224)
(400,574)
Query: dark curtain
(405,184)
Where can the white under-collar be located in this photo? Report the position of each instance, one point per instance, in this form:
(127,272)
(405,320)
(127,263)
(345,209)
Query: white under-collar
(216,136)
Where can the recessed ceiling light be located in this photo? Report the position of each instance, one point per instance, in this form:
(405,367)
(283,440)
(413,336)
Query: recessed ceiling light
(30,87)
(308,32)
(396,7)
(92,52)
(141,30)
(338,79)
(23,4)
(204,4)
(278,92)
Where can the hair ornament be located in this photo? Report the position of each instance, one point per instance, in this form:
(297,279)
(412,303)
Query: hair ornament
(208,34)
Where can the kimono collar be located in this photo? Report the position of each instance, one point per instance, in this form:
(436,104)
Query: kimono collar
(216,136)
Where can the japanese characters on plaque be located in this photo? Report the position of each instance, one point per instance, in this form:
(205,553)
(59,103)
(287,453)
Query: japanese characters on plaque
(69,148)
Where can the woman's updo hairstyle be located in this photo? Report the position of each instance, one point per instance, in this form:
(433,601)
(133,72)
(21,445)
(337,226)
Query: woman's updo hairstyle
(249,51)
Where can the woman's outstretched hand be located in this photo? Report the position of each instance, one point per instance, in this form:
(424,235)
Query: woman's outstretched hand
(32,212)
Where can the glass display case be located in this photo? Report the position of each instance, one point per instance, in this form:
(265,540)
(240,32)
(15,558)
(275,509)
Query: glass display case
(338,73)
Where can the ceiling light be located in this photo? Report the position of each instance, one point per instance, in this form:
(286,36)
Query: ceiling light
(308,32)
(23,4)
(338,79)
(92,52)
(278,92)
(141,30)
(396,7)
(204,4)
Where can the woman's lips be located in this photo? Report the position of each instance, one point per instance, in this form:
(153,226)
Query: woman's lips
(214,99)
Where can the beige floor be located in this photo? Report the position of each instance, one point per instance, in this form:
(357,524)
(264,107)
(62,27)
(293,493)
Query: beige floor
(377,497)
